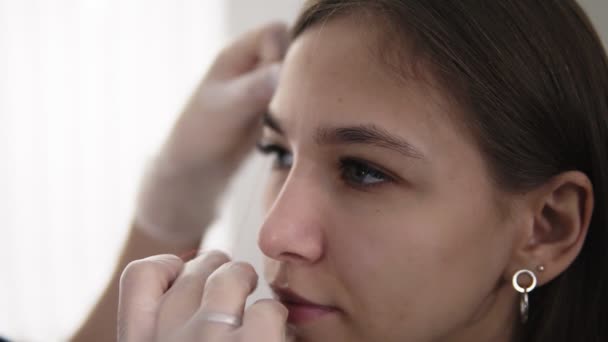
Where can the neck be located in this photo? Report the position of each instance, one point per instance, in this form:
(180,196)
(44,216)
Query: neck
(495,320)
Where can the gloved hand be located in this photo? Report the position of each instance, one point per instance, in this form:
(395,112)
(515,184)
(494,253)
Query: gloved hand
(163,299)
(219,125)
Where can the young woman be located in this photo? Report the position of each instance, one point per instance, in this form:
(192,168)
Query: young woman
(440,174)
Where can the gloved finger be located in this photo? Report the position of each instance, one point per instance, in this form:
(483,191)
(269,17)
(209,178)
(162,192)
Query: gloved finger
(225,293)
(142,285)
(253,92)
(183,299)
(264,45)
(266,321)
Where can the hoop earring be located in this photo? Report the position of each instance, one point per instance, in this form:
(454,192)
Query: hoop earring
(524,303)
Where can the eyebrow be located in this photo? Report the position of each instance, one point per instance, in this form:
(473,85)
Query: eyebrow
(366,134)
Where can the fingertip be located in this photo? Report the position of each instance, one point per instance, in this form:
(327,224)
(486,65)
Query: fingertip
(256,48)
(275,42)
(243,272)
(274,73)
(272,305)
(158,271)
(142,284)
(215,254)
(257,88)
(267,319)
(269,82)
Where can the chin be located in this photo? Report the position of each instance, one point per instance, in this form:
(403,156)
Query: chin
(309,334)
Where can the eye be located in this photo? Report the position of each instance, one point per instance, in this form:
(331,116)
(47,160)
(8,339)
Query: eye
(283,159)
(361,174)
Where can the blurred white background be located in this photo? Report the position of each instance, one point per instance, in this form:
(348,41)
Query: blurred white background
(88,89)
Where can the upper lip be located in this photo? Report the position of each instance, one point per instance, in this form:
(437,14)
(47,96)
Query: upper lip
(290,297)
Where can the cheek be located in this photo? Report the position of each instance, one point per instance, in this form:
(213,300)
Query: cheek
(431,261)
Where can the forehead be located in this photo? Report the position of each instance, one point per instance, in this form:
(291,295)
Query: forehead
(333,76)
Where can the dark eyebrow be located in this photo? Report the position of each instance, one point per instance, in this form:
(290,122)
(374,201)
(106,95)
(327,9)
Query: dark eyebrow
(368,135)
(362,134)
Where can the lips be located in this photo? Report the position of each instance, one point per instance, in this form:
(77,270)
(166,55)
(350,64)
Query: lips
(301,310)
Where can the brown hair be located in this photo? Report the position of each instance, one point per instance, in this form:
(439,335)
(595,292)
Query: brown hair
(533,78)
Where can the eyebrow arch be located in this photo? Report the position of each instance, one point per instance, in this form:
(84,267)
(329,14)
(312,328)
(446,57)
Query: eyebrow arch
(367,134)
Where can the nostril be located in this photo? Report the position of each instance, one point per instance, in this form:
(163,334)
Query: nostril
(292,257)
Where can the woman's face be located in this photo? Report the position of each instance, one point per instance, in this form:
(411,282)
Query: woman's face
(379,206)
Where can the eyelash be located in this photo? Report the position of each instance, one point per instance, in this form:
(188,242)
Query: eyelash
(350,168)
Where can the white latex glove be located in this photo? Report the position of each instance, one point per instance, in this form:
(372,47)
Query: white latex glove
(215,131)
(163,299)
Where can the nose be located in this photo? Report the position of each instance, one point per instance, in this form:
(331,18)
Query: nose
(293,228)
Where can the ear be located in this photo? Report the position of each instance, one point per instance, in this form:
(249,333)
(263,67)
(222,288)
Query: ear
(560,213)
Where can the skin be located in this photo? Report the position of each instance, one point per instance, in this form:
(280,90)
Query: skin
(420,257)
(419,245)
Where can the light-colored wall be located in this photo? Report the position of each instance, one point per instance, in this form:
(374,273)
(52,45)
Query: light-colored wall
(245,14)
(598,12)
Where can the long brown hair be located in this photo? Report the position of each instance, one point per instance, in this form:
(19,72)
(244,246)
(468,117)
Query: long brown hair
(532,76)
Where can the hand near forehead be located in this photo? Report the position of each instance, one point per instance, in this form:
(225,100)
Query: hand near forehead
(212,135)
(164,299)
(219,122)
